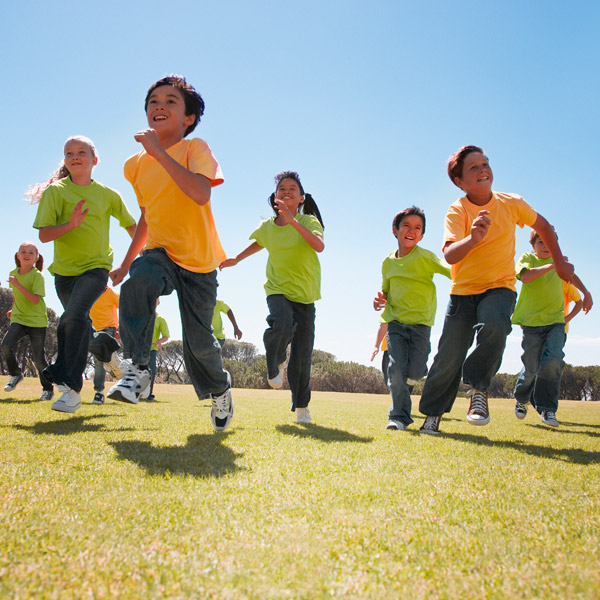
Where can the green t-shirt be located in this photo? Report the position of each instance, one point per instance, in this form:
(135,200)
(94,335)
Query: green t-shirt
(217,322)
(408,282)
(161,329)
(25,312)
(86,247)
(541,301)
(293,267)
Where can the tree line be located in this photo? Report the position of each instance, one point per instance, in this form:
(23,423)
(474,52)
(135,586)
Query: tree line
(248,367)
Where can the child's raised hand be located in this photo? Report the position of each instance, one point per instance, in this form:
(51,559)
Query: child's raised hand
(379,301)
(12,280)
(78,214)
(150,140)
(284,212)
(480,226)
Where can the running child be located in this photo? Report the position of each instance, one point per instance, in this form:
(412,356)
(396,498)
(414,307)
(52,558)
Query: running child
(172,178)
(381,344)
(160,336)
(409,297)
(74,213)
(28,317)
(293,237)
(217,322)
(541,315)
(479,244)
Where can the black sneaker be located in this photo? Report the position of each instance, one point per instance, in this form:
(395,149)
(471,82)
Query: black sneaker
(549,418)
(479,413)
(520,410)
(431,425)
(98,398)
(13,382)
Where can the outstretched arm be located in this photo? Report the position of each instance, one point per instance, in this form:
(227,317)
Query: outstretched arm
(253,248)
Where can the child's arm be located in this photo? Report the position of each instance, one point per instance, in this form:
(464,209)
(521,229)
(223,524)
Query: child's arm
(137,244)
(131,230)
(564,269)
(379,301)
(195,186)
(574,311)
(253,248)
(33,298)
(528,275)
(236,330)
(455,251)
(314,240)
(161,341)
(380,335)
(53,232)
(587,302)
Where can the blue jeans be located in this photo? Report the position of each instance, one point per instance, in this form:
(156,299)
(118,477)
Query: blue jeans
(539,379)
(408,350)
(152,275)
(291,323)
(77,294)
(37,336)
(99,370)
(152,368)
(486,315)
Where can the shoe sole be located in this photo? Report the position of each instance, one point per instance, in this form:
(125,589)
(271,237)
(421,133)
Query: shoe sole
(424,431)
(117,395)
(478,421)
(66,409)
(521,416)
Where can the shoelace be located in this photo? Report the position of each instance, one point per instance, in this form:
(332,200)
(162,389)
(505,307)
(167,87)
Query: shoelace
(479,403)
(431,423)
(222,404)
(550,416)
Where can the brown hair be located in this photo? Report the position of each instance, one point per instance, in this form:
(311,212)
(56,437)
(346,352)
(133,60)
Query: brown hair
(457,160)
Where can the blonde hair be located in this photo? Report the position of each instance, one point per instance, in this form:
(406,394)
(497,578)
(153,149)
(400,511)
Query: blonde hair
(39,263)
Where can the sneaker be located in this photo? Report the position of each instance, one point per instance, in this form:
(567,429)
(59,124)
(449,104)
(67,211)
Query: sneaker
(145,395)
(520,410)
(277,382)
(98,398)
(133,383)
(303,415)
(69,402)
(549,418)
(221,413)
(13,382)
(397,425)
(47,395)
(431,425)
(114,365)
(479,413)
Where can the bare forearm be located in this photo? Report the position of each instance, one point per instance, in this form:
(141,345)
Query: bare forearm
(53,232)
(312,239)
(195,186)
(535,272)
(455,251)
(33,298)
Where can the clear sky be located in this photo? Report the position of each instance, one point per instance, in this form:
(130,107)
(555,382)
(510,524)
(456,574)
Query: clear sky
(365,100)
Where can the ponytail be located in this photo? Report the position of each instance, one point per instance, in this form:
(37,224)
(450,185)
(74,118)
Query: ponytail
(309,207)
(34,192)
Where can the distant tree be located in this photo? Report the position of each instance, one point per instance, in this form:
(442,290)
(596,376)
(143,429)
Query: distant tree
(170,367)
(240,351)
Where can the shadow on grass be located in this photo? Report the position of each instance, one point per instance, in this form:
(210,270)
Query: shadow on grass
(203,456)
(81,424)
(325,434)
(13,400)
(572,455)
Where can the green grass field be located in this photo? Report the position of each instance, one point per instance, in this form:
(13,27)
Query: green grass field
(146,501)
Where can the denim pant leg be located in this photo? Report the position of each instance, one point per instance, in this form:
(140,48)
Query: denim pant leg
(278,336)
(77,295)
(532,350)
(150,276)
(300,363)
(14,333)
(441,385)
(152,367)
(398,339)
(547,381)
(99,370)
(197,293)
(37,338)
(494,309)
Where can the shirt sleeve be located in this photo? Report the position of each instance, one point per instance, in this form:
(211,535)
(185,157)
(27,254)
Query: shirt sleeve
(201,160)
(524,264)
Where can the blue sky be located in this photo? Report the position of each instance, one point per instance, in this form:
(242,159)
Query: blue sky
(365,100)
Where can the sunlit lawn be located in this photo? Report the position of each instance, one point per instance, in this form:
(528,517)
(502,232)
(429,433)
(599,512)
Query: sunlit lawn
(146,501)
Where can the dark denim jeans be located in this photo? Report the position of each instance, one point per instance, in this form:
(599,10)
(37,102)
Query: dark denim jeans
(37,336)
(539,379)
(152,367)
(77,294)
(488,316)
(408,350)
(291,323)
(99,370)
(152,275)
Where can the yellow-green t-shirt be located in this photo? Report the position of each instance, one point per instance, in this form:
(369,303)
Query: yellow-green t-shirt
(408,283)
(541,300)
(175,222)
(86,247)
(25,312)
(490,264)
(217,322)
(161,329)
(293,267)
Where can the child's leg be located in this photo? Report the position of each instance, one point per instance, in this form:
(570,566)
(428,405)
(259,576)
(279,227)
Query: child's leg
(398,337)
(279,334)
(197,294)
(152,367)
(532,344)
(441,386)
(77,295)
(150,276)
(547,383)
(14,333)
(494,309)
(303,340)
(37,337)
(419,349)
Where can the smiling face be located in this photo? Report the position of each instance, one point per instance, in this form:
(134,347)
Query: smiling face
(289,191)
(476,179)
(166,112)
(79,159)
(540,249)
(27,256)
(408,233)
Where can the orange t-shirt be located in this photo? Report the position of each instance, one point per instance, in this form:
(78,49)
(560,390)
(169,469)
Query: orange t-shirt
(104,312)
(491,264)
(175,222)
(570,294)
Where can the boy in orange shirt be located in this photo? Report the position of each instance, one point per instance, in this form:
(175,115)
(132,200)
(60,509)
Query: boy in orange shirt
(479,244)
(172,178)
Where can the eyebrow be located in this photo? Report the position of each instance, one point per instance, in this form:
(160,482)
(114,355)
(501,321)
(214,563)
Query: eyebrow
(169,95)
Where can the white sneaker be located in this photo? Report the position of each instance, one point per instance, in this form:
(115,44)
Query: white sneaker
(277,382)
(221,412)
(303,415)
(69,402)
(132,384)
(114,366)
(398,425)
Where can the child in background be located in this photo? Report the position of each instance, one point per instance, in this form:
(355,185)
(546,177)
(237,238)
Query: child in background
(160,336)
(74,213)
(293,237)
(541,313)
(409,299)
(381,342)
(28,317)
(172,178)
(217,322)
(479,244)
